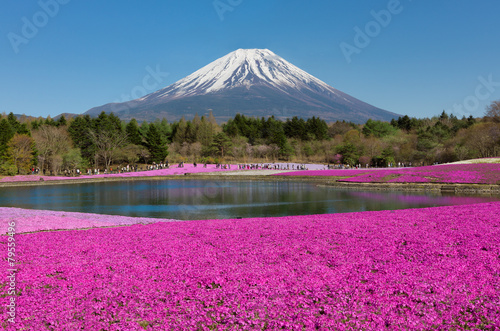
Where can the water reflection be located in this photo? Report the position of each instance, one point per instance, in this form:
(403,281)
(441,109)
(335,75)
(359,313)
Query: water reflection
(192,199)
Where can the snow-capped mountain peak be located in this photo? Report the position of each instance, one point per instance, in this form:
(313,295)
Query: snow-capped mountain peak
(251,82)
(243,68)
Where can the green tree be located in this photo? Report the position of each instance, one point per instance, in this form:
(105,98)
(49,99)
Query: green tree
(317,128)
(164,128)
(18,127)
(61,121)
(349,153)
(6,134)
(231,128)
(378,129)
(21,149)
(180,131)
(278,137)
(190,133)
(144,128)
(156,144)
(78,130)
(14,123)
(221,144)
(205,132)
(73,159)
(387,157)
(50,121)
(134,135)
(296,128)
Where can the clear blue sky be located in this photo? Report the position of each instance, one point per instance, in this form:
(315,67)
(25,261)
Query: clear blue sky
(87,53)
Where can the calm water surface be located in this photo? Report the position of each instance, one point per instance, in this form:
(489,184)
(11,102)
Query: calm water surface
(193,199)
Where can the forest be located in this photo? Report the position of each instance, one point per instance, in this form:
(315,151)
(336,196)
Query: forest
(62,145)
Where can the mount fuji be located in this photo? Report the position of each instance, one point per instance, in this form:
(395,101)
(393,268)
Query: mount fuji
(252,82)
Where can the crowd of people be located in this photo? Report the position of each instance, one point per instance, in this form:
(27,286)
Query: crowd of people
(127,168)
(273,166)
(241,166)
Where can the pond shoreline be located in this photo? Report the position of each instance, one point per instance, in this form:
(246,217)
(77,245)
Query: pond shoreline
(421,187)
(443,256)
(493,189)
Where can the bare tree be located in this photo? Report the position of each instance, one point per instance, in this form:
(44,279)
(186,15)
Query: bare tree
(493,111)
(196,149)
(373,146)
(184,150)
(262,151)
(483,138)
(107,144)
(51,142)
(145,154)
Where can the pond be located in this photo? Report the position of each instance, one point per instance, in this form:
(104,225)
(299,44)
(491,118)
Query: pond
(198,199)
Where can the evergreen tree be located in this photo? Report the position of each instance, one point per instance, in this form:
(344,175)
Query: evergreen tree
(144,128)
(14,123)
(349,152)
(107,123)
(156,144)
(317,128)
(180,131)
(231,128)
(164,128)
(78,130)
(6,134)
(296,128)
(205,133)
(196,122)
(190,133)
(221,144)
(278,137)
(61,121)
(50,121)
(404,123)
(134,135)
(378,129)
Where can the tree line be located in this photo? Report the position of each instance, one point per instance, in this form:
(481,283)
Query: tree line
(82,142)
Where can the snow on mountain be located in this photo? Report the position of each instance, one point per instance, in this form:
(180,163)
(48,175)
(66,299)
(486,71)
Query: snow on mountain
(242,68)
(253,82)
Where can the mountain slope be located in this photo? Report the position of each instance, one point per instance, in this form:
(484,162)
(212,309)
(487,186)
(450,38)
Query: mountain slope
(253,82)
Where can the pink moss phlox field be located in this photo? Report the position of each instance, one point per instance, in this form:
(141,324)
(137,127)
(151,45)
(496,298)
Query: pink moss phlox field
(418,269)
(42,220)
(427,200)
(172,171)
(451,173)
(332,172)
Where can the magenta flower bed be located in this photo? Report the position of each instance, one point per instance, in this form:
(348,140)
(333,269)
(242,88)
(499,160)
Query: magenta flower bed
(332,172)
(422,269)
(423,200)
(43,220)
(452,173)
(173,170)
